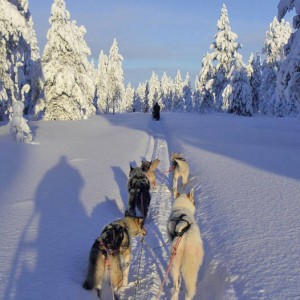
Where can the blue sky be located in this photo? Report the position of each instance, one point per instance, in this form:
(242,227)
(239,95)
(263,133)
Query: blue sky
(160,35)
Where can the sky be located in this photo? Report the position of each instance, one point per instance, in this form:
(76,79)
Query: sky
(164,36)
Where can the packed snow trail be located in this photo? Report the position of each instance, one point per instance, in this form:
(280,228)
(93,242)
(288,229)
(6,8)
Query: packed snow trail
(149,263)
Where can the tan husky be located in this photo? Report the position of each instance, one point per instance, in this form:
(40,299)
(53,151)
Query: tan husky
(110,248)
(149,167)
(181,169)
(184,232)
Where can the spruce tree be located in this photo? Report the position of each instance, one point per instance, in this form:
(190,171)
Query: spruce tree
(140,98)
(187,94)
(69,91)
(204,96)
(19,56)
(224,54)
(276,37)
(288,79)
(127,104)
(154,90)
(237,96)
(166,92)
(102,84)
(254,73)
(116,88)
(178,101)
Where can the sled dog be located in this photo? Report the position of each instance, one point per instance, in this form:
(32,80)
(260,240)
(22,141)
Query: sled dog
(149,168)
(139,192)
(112,247)
(189,254)
(180,168)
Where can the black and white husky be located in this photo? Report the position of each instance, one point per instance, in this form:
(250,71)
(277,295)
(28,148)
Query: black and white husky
(139,192)
(181,169)
(113,246)
(189,254)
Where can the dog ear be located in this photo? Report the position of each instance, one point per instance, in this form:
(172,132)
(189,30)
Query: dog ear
(191,195)
(141,222)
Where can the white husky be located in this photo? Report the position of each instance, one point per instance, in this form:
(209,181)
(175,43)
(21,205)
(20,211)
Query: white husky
(189,253)
(180,168)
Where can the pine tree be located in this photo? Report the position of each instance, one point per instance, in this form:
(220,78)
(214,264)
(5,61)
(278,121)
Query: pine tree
(178,101)
(69,91)
(288,79)
(116,89)
(187,94)
(102,84)
(204,96)
(154,90)
(276,38)
(224,53)
(19,55)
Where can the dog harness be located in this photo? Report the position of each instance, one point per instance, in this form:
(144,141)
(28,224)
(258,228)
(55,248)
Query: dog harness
(183,230)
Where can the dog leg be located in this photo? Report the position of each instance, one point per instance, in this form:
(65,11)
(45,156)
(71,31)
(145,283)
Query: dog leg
(126,261)
(131,204)
(190,280)
(175,180)
(99,293)
(96,269)
(175,272)
(116,274)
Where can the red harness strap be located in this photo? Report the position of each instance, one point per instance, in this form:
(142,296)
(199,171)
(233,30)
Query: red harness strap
(174,250)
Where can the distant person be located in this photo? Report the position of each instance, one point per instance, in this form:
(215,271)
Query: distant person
(156,111)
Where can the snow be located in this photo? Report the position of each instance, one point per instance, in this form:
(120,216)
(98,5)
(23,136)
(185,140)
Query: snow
(59,192)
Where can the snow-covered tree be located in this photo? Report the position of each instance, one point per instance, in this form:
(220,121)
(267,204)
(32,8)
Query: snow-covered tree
(116,88)
(34,77)
(224,51)
(276,37)
(19,128)
(166,92)
(178,101)
(127,104)
(19,56)
(237,96)
(69,91)
(187,94)
(288,79)
(154,90)
(102,84)
(204,98)
(140,97)
(254,73)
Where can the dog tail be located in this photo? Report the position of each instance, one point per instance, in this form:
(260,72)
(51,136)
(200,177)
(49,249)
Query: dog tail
(96,268)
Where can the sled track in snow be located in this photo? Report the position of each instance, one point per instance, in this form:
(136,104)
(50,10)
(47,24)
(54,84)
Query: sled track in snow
(150,258)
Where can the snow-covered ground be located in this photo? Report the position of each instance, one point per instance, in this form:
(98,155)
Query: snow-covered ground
(57,194)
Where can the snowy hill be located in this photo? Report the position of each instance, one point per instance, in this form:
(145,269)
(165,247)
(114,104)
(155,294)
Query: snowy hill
(60,191)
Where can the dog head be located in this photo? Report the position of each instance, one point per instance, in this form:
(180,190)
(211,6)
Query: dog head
(186,200)
(133,170)
(175,155)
